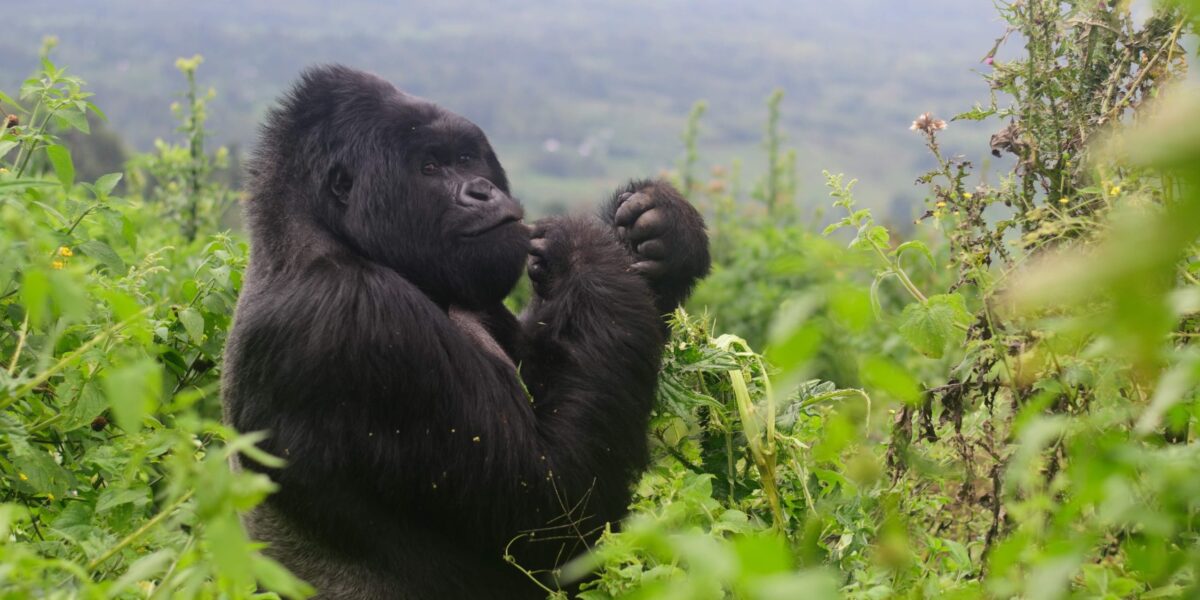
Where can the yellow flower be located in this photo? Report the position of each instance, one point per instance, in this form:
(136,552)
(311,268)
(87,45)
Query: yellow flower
(941,205)
(968,195)
(50,496)
(57,265)
(23,476)
(1116,189)
(1064,200)
(65,251)
(3,170)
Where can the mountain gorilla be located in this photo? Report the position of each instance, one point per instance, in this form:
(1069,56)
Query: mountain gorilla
(426,430)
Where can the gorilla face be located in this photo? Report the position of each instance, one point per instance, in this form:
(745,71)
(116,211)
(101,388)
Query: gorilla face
(410,185)
(451,226)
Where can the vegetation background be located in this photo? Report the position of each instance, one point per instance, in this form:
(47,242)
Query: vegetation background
(980,385)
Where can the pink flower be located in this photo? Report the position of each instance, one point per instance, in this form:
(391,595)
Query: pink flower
(988,61)
(928,124)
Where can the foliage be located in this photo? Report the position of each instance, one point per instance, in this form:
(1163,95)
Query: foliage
(114,468)
(1029,366)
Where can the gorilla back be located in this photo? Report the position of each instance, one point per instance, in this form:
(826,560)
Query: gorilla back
(371,344)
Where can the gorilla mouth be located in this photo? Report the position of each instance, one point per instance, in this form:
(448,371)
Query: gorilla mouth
(492,227)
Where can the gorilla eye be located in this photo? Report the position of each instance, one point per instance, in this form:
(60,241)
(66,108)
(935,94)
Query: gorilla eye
(340,182)
(429,168)
(465,158)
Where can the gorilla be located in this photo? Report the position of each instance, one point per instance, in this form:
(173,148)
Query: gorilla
(430,437)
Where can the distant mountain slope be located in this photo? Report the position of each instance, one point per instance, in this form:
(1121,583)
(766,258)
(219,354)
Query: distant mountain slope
(607,84)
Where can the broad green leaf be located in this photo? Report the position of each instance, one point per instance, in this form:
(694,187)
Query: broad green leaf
(278,579)
(38,469)
(133,392)
(74,119)
(60,159)
(193,323)
(928,327)
(6,99)
(106,183)
(113,497)
(879,236)
(881,374)
(145,568)
(229,547)
(35,295)
(851,307)
(105,255)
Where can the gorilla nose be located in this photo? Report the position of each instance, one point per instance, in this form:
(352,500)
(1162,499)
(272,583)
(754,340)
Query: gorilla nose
(478,190)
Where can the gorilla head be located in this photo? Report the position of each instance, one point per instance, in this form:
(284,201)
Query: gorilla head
(398,179)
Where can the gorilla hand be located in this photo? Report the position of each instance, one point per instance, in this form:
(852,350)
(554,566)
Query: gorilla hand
(664,234)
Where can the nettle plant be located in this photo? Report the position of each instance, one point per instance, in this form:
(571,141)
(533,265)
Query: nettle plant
(1042,369)
(114,476)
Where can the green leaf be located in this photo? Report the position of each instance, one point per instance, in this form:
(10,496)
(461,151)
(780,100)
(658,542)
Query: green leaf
(928,327)
(106,183)
(35,295)
(87,406)
(229,547)
(879,373)
(113,497)
(145,568)
(278,579)
(133,392)
(74,119)
(851,307)
(60,159)
(978,113)
(6,99)
(193,323)
(23,183)
(916,245)
(105,255)
(41,473)
(879,236)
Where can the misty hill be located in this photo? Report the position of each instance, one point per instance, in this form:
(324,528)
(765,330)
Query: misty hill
(605,85)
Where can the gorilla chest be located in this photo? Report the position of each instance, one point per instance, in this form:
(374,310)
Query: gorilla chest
(471,325)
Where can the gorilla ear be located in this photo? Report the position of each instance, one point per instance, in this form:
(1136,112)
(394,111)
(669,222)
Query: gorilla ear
(339,183)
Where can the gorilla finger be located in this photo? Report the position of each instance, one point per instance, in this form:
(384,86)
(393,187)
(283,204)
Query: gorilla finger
(650,268)
(652,223)
(538,229)
(652,249)
(623,197)
(621,232)
(538,246)
(636,205)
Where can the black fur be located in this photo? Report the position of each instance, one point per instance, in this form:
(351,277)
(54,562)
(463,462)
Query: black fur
(424,426)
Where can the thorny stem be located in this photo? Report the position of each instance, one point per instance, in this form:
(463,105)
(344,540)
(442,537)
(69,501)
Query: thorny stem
(147,526)
(12,365)
(1133,87)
